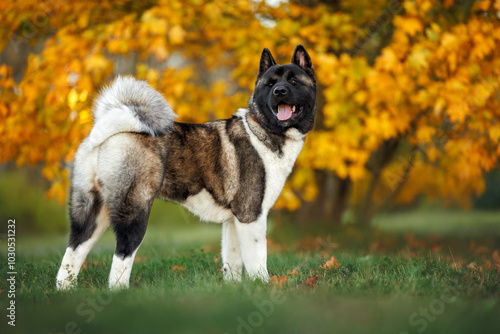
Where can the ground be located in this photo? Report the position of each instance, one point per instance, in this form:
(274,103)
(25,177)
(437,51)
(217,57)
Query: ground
(440,279)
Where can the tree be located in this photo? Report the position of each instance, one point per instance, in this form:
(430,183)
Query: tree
(407,101)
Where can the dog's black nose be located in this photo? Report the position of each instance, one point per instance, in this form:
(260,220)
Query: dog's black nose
(280,90)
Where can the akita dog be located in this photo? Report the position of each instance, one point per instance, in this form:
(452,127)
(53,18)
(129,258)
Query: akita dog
(228,171)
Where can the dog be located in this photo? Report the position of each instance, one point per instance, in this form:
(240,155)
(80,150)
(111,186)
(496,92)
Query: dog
(228,171)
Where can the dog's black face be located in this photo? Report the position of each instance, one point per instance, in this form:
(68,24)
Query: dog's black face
(285,95)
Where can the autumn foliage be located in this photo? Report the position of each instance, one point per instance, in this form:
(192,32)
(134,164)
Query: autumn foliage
(408,100)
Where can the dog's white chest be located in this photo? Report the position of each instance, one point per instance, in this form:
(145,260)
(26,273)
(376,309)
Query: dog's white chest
(277,170)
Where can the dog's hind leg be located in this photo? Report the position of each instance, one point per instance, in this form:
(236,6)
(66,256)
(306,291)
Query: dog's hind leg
(89,219)
(129,236)
(129,221)
(130,168)
(231,254)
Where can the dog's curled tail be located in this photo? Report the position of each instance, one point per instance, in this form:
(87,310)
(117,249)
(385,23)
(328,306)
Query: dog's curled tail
(130,105)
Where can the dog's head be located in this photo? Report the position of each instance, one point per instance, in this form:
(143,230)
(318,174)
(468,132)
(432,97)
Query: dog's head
(285,95)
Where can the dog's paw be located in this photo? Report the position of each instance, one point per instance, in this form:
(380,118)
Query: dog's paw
(231,275)
(66,284)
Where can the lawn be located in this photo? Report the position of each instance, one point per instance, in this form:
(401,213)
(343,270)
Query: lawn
(392,279)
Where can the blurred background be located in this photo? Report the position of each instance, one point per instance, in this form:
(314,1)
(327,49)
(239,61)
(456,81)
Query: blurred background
(408,126)
(393,203)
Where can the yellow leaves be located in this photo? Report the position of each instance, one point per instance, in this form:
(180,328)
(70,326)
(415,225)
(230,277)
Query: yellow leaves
(419,58)
(408,24)
(58,188)
(72,98)
(303,180)
(118,46)
(483,46)
(85,116)
(176,35)
(424,133)
(6,81)
(83,20)
(287,199)
(458,111)
(494,133)
(158,47)
(424,6)
(438,106)
(484,5)
(388,61)
(450,42)
(152,23)
(98,65)
(447,72)
(433,153)
(381,125)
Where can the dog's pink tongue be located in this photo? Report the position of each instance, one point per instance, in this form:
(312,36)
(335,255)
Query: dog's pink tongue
(284,112)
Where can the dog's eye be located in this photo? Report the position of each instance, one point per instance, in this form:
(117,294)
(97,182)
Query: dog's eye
(271,83)
(292,81)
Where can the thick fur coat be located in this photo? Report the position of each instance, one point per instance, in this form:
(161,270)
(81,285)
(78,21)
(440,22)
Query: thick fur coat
(228,171)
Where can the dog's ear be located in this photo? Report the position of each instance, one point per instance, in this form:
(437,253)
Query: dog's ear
(301,58)
(266,61)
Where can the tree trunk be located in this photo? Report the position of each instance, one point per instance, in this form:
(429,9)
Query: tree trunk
(376,164)
(332,200)
(365,213)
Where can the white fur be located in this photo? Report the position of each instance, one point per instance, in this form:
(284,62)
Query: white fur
(115,121)
(277,167)
(84,167)
(253,247)
(119,277)
(231,254)
(74,259)
(204,206)
(124,105)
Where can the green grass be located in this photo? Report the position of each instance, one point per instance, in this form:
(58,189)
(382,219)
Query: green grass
(370,294)
(388,282)
(455,223)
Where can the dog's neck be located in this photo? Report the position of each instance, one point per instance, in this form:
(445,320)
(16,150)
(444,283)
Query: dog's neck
(275,142)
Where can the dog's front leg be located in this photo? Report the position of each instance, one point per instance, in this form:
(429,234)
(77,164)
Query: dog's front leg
(231,254)
(253,246)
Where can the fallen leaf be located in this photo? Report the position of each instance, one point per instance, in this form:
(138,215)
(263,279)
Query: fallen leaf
(178,268)
(331,264)
(472,266)
(281,281)
(294,272)
(310,281)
